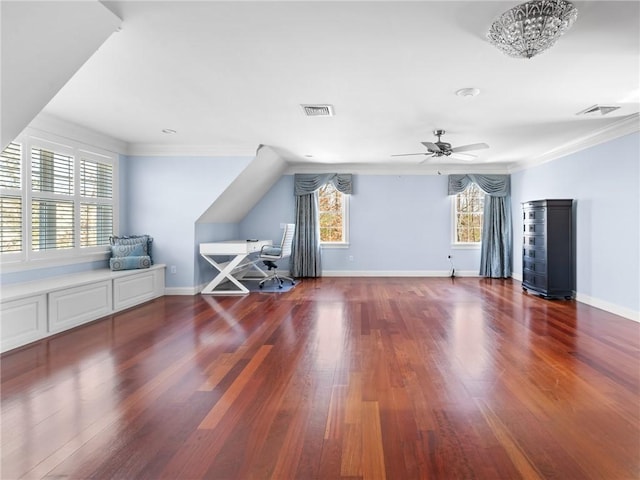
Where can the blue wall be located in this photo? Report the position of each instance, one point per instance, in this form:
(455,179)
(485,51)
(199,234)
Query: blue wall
(604,181)
(398,224)
(166,196)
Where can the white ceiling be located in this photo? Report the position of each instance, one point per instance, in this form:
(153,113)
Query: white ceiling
(228,76)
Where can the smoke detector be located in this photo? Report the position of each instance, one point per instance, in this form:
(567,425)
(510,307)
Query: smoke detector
(318,110)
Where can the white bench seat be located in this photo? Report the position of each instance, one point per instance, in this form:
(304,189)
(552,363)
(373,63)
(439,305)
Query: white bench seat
(34,310)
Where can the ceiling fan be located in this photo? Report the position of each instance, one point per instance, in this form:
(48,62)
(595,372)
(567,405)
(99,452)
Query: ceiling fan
(443,149)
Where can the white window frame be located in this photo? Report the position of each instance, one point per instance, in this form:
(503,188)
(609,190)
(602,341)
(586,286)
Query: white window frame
(454,243)
(345,225)
(28,258)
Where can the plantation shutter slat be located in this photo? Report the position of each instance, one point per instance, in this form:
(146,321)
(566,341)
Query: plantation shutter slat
(11,232)
(10,166)
(52,225)
(96,224)
(11,203)
(51,172)
(96,215)
(96,179)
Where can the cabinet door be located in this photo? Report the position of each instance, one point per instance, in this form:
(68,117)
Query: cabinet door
(77,305)
(134,289)
(23,321)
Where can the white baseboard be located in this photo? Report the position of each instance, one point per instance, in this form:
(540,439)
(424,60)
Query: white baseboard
(601,304)
(609,307)
(182,290)
(397,273)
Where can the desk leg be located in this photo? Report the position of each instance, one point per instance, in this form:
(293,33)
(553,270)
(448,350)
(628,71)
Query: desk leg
(225,272)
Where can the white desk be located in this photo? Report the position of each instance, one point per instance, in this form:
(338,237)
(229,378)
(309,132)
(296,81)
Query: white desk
(236,268)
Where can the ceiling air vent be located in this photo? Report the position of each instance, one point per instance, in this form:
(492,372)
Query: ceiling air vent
(602,109)
(318,110)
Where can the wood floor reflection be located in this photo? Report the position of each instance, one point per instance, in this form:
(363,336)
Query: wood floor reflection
(340,378)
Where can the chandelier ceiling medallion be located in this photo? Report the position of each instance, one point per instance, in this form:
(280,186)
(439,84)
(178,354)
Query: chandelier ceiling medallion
(531,28)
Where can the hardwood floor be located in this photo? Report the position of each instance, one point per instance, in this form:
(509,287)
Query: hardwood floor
(340,378)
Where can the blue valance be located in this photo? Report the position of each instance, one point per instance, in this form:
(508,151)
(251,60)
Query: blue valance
(493,185)
(306,183)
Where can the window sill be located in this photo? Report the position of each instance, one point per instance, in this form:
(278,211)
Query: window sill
(465,246)
(334,245)
(34,264)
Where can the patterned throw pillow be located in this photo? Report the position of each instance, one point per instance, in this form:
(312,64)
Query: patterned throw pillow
(135,250)
(145,240)
(130,263)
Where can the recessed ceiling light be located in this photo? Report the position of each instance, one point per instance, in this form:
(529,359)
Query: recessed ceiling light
(169,131)
(468,92)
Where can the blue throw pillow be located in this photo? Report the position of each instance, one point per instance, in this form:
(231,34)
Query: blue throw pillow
(135,250)
(130,263)
(145,240)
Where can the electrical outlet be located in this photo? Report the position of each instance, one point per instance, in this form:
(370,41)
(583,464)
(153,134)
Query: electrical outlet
(351,258)
(173,269)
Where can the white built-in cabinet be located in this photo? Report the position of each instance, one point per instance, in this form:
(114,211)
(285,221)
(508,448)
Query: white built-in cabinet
(34,310)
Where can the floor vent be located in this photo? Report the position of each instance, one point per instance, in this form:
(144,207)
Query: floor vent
(318,110)
(602,109)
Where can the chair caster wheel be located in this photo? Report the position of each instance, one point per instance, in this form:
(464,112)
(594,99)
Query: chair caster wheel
(260,285)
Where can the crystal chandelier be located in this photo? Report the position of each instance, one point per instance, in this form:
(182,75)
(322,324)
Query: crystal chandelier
(531,28)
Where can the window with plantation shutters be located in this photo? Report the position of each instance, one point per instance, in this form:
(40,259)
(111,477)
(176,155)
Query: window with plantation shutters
(10,167)
(96,209)
(52,209)
(51,172)
(11,220)
(57,200)
(52,225)
(11,233)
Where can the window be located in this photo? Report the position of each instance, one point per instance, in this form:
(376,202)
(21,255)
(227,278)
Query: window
(56,200)
(333,216)
(468,215)
(52,209)
(11,199)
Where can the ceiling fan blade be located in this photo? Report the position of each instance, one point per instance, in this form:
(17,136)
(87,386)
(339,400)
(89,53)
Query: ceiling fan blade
(463,156)
(432,147)
(409,154)
(466,148)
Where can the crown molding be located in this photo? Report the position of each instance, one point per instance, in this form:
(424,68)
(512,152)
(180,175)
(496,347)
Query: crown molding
(47,123)
(164,150)
(368,169)
(624,126)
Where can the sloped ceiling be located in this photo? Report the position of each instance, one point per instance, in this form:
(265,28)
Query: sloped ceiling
(229,76)
(247,189)
(43,46)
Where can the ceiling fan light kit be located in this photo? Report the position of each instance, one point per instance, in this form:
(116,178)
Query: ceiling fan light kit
(532,27)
